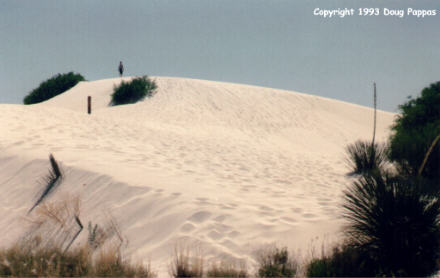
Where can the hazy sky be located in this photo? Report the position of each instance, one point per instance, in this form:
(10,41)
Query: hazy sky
(271,43)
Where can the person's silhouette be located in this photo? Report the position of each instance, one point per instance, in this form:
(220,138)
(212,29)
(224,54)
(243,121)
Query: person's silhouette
(121,68)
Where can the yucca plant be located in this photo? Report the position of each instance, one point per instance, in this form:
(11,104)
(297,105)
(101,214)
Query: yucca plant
(365,157)
(392,220)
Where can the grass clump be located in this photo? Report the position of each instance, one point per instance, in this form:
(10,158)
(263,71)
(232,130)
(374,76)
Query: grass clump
(30,260)
(110,263)
(133,91)
(227,269)
(275,262)
(363,157)
(54,86)
(184,264)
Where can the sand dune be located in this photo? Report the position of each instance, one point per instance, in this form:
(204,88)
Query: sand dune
(229,166)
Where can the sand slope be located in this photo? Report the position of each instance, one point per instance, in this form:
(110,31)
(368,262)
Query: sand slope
(229,166)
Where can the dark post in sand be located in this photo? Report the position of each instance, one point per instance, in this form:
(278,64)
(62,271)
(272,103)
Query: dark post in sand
(89,104)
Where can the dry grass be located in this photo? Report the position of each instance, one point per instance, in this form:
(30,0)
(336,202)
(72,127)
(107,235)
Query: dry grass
(227,269)
(110,263)
(47,250)
(275,262)
(185,263)
(32,261)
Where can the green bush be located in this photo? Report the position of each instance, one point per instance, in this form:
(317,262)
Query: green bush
(414,131)
(52,87)
(276,263)
(133,91)
(395,223)
(365,158)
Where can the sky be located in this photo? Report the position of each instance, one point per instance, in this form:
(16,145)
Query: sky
(272,43)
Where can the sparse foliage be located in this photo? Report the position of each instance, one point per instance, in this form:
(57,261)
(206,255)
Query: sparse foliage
(185,264)
(227,269)
(275,262)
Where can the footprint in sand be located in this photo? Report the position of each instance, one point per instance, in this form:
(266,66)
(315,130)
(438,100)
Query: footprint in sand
(297,210)
(288,219)
(308,215)
(233,234)
(221,218)
(200,216)
(215,235)
(187,227)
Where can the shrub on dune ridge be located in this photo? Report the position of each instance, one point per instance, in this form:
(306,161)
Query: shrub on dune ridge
(54,86)
(133,91)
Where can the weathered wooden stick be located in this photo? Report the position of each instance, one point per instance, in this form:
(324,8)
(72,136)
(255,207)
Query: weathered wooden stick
(419,173)
(89,104)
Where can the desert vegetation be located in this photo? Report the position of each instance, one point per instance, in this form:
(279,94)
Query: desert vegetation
(393,212)
(53,86)
(47,249)
(133,91)
(275,262)
(227,269)
(187,262)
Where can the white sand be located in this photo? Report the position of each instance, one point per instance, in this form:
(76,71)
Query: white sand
(232,167)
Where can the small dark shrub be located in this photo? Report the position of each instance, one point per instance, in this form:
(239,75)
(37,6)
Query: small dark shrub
(52,87)
(133,91)
(392,220)
(365,158)
(276,263)
(343,261)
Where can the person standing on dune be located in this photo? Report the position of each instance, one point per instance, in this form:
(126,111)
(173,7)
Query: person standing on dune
(121,68)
